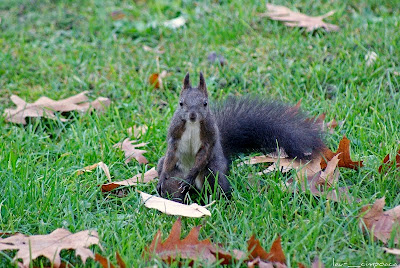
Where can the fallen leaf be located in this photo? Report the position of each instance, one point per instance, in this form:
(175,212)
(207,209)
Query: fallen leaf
(188,248)
(344,158)
(297,19)
(303,168)
(45,107)
(154,50)
(274,255)
(389,164)
(331,174)
(107,264)
(370,58)
(317,264)
(156,79)
(175,23)
(394,251)
(30,247)
(103,166)
(137,131)
(131,151)
(380,222)
(150,175)
(117,15)
(174,208)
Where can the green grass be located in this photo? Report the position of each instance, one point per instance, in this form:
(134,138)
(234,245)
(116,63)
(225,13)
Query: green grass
(60,48)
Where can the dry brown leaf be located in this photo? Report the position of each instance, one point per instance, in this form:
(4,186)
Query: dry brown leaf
(389,164)
(274,255)
(297,19)
(50,246)
(320,183)
(156,79)
(131,151)
(150,175)
(317,264)
(137,131)
(157,50)
(380,222)
(175,23)
(103,166)
(45,107)
(394,251)
(188,248)
(117,15)
(303,168)
(174,208)
(331,174)
(344,158)
(107,264)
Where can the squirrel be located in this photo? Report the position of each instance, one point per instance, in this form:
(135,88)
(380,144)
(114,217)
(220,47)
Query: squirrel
(202,140)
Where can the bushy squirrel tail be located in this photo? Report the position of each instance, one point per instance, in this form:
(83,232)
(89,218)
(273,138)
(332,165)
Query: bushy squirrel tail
(250,123)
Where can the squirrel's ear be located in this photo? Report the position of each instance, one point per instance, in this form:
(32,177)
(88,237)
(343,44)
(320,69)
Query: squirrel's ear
(186,81)
(202,83)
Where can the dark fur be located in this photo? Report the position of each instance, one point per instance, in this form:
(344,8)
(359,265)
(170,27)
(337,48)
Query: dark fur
(250,123)
(237,125)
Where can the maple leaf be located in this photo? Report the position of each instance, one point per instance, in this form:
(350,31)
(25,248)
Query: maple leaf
(150,175)
(380,222)
(274,255)
(344,158)
(297,19)
(50,246)
(387,163)
(174,208)
(45,107)
(131,151)
(188,248)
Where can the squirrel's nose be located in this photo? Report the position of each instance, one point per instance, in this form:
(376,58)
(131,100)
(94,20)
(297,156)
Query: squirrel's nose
(192,116)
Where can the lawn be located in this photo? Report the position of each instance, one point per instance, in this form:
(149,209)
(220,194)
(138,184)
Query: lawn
(60,48)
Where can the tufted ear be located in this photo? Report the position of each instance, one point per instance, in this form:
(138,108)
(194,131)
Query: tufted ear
(186,82)
(202,84)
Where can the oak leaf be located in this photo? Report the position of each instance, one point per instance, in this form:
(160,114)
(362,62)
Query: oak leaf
(150,175)
(45,107)
(50,246)
(107,264)
(297,19)
(137,131)
(382,223)
(131,152)
(188,248)
(389,164)
(344,158)
(274,255)
(174,208)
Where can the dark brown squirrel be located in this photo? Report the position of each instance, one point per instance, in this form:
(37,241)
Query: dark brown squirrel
(201,141)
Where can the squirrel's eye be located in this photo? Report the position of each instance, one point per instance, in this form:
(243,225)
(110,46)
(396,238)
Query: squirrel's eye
(181,103)
(205,103)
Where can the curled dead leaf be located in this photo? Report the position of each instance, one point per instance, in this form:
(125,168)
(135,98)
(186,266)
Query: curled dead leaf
(174,208)
(297,19)
(150,175)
